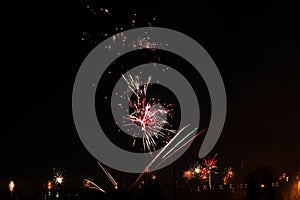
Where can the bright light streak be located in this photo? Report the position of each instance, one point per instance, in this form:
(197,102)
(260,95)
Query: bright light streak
(112,180)
(91,185)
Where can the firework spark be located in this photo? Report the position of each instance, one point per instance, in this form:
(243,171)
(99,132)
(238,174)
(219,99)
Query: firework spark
(91,185)
(149,115)
(58,177)
(133,19)
(210,164)
(202,171)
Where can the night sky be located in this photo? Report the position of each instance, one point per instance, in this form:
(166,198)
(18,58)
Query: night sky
(254,44)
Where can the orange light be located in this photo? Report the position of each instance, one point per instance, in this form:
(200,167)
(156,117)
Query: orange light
(11,186)
(49,185)
(262,186)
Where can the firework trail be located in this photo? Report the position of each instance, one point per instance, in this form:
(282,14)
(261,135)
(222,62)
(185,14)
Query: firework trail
(164,158)
(112,180)
(182,140)
(157,156)
(168,153)
(149,115)
(91,185)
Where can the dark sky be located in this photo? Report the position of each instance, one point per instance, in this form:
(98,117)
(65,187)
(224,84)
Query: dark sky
(254,44)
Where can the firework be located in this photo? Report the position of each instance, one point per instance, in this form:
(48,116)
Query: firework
(88,183)
(157,156)
(112,180)
(174,150)
(202,171)
(196,171)
(188,175)
(209,167)
(143,42)
(11,187)
(163,158)
(91,185)
(58,177)
(229,174)
(149,115)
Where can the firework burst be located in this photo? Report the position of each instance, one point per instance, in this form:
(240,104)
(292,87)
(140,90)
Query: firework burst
(209,168)
(148,114)
(58,177)
(202,171)
(196,171)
